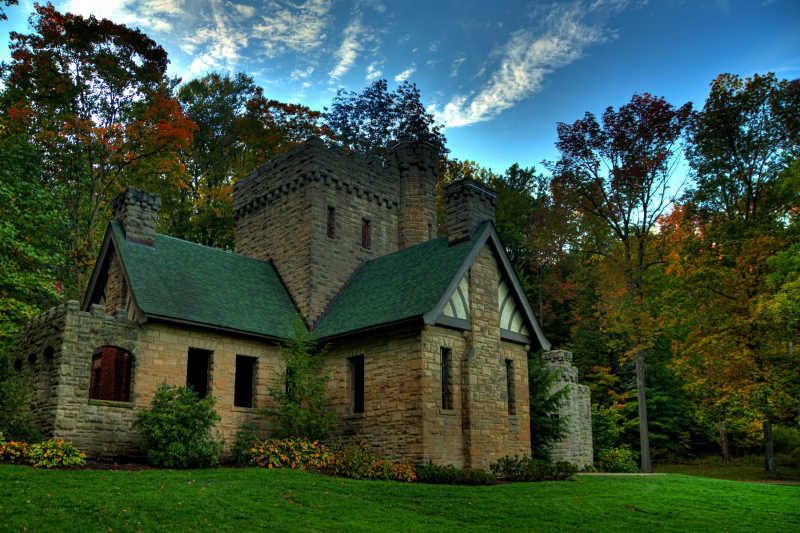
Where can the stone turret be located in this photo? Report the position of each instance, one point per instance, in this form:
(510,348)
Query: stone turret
(418,166)
(576,446)
(468,203)
(137,212)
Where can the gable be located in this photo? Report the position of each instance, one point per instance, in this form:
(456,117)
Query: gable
(180,281)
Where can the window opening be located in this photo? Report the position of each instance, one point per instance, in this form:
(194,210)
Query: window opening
(356,383)
(366,238)
(197,371)
(110,377)
(512,400)
(331,221)
(244,381)
(447,395)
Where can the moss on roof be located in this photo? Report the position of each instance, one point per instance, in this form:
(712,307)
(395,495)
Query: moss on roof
(395,287)
(187,281)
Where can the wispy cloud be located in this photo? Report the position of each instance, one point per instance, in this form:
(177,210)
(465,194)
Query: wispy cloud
(287,26)
(526,59)
(301,73)
(403,76)
(354,37)
(456,65)
(373,71)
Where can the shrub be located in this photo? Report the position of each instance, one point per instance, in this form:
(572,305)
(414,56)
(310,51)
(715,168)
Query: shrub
(621,459)
(13,452)
(787,438)
(176,430)
(357,462)
(290,453)
(545,400)
(245,441)
(450,475)
(53,453)
(529,469)
(16,416)
(303,408)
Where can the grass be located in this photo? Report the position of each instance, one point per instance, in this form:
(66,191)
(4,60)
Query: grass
(228,499)
(747,468)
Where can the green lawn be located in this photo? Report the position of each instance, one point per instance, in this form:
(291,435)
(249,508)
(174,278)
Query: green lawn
(253,499)
(749,468)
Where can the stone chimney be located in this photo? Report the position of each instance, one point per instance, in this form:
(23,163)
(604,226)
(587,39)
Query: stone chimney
(468,203)
(418,166)
(137,211)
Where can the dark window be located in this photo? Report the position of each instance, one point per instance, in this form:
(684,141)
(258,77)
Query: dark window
(447,393)
(111,375)
(512,400)
(331,221)
(366,238)
(197,371)
(356,383)
(430,231)
(32,359)
(289,382)
(244,381)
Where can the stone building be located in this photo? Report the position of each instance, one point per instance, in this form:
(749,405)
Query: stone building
(428,336)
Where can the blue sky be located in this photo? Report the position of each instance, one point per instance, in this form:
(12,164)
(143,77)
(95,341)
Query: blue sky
(499,75)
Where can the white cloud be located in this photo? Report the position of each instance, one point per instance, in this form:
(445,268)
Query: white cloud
(355,36)
(403,76)
(247,11)
(296,27)
(373,71)
(300,74)
(457,62)
(434,47)
(525,61)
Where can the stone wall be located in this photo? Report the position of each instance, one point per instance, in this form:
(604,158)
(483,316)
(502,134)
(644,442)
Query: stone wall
(160,353)
(576,446)
(391,424)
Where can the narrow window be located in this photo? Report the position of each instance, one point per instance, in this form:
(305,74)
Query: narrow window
(197,371)
(430,231)
(447,394)
(366,238)
(110,377)
(289,382)
(512,400)
(331,221)
(244,381)
(356,365)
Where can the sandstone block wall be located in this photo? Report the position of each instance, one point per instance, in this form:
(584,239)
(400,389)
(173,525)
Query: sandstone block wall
(391,424)
(576,446)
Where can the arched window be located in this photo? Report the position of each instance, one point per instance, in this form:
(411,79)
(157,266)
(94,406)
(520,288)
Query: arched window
(111,374)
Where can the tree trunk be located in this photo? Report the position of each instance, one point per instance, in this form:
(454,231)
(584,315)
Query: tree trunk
(723,443)
(769,450)
(644,435)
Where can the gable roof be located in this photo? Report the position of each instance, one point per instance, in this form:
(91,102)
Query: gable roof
(416,282)
(182,281)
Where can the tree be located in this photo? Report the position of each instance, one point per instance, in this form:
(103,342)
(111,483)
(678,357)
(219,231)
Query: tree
(238,129)
(545,400)
(368,121)
(303,409)
(738,216)
(7,3)
(619,174)
(92,97)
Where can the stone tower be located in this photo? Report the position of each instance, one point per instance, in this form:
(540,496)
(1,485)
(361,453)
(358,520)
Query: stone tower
(576,446)
(318,212)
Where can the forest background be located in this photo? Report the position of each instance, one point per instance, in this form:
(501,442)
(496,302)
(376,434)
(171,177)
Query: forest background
(662,248)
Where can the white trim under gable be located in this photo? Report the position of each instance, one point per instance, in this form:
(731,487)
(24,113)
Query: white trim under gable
(526,318)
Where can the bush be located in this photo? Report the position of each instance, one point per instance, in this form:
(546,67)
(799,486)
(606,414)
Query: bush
(176,429)
(245,441)
(622,459)
(303,407)
(545,400)
(450,475)
(357,462)
(16,416)
(528,469)
(13,452)
(290,453)
(53,453)
(787,438)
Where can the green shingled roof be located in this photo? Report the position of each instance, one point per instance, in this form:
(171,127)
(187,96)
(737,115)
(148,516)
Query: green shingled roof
(186,281)
(395,287)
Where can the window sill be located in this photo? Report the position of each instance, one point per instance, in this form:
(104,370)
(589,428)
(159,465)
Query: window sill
(242,409)
(111,403)
(447,412)
(353,416)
